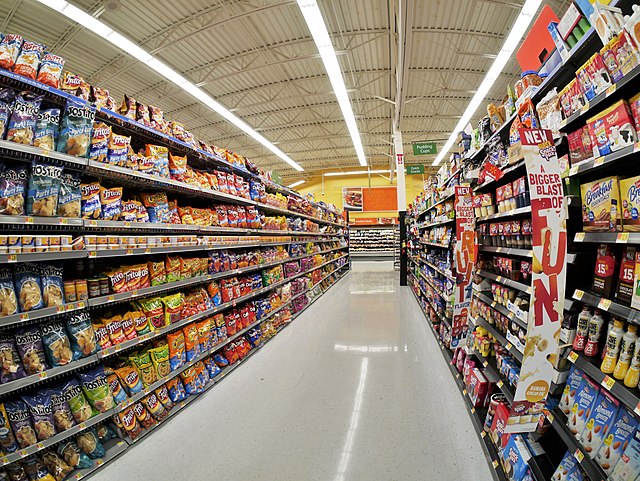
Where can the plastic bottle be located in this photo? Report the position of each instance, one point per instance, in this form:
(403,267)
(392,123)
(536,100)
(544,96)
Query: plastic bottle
(633,374)
(595,330)
(627,349)
(612,347)
(582,329)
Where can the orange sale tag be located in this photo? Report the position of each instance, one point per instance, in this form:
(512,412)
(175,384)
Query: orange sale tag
(579,237)
(573,356)
(604,304)
(622,237)
(578,294)
(608,383)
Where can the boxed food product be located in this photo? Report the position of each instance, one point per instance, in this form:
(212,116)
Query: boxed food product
(499,424)
(630,197)
(616,440)
(612,129)
(599,423)
(585,399)
(600,204)
(604,271)
(566,466)
(628,467)
(514,458)
(577,150)
(478,388)
(573,385)
(593,77)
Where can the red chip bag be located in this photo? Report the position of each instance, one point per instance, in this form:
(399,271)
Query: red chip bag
(114,328)
(230,353)
(230,321)
(130,422)
(144,418)
(102,335)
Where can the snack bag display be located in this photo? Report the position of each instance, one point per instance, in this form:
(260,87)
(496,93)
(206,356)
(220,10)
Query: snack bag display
(89,443)
(157,206)
(7,441)
(144,418)
(152,309)
(173,307)
(140,322)
(157,272)
(90,200)
(155,407)
(160,360)
(111,201)
(128,328)
(7,97)
(177,354)
(99,142)
(117,391)
(31,350)
(145,367)
(118,149)
(172,268)
(11,366)
(191,342)
(52,285)
(96,388)
(128,107)
(43,190)
(72,455)
(70,196)
(58,468)
(62,416)
(8,299)
(46,132)
(13,182)
(102,335)
(77,122)
(78,404)
(160,156)
(56,343)
(130,378)
(28,287)
(24,116)
(28,61)
(130,422)
(81,335)
(9,50)
(50,70)
(41,414)
(176,390)
(20,421)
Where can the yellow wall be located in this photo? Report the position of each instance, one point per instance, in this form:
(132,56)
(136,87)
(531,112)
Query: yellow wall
(333,190)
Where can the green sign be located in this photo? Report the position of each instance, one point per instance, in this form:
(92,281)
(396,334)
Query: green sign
(276,177)
(424,148)
(416,169)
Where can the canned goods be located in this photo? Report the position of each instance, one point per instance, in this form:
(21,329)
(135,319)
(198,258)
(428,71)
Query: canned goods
(82,292)
(93,285)
(70,291)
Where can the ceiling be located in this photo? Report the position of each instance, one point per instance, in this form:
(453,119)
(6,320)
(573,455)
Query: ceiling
(258,59)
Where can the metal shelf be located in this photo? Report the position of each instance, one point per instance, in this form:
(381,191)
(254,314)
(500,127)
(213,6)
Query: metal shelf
(618,310)
(435,224)
(507,250)
(506,170)
(499,337)
(598,163)
(444,199)
(501,309)
(510,213)
(440,271)
(507,282)
(41,256)
(492,375)
(608,237)
(41,313)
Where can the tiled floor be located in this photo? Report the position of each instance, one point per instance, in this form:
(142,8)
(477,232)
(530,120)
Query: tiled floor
(356,389)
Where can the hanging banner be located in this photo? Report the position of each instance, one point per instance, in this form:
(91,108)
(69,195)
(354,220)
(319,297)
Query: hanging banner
(548,219)
(464,262)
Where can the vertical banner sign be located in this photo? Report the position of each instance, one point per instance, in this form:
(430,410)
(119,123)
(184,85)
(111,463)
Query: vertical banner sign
(548,219)
(464,262)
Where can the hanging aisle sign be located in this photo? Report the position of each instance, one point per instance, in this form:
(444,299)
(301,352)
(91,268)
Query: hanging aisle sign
(464,262)
(548,219)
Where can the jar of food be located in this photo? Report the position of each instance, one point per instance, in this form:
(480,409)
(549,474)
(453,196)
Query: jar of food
(82,292)
(93,286)
(104,285)
(70,291)
(530,78)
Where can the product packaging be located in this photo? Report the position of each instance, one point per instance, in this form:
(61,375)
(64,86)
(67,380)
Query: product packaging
(601,206)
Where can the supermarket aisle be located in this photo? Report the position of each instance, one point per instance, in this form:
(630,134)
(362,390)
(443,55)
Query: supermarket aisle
(356,389)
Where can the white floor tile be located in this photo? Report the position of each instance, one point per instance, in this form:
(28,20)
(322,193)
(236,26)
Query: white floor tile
(356,389)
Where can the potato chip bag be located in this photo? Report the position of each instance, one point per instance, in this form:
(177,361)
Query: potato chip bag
(35,470)
(157,272)
(47,126)
(62,416)
(153,310)
(130,378)
(16,472)
(99,97)
(129,211)
(43,190)
(177,354)
(160,156)
(77,122)
(105,432)
(24,117)
(81,335)
(176,390)
(118,149)
(204,334)
(144,418)
(41,414)
(70,196)
(52,285)
(28,287)
(130,423)
(220,360)
(28,61)
(13,187)
(102,335)
(89,443)
(78,404)
(128,107)
(172,268)
(188,377)
(96,388)
(160,360)
(90,201)
(142,114)
(140,322)
(72,455)
(20,421)
(173,307)
(145,367)
(57,467)
(114,328)
(191,341)
(9,50)
(111,202)
(155,407)
(50,70)
(177,167)
(7,441)
(31,350)
(99,142)
(119,395)
(163,396)
(128,328)
(141,213)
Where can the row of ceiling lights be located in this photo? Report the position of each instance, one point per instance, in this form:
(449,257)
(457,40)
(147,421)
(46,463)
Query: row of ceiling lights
(317,27)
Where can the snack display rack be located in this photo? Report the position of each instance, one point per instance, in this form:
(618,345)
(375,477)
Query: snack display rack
(502,291)
(372,241)
(276,265)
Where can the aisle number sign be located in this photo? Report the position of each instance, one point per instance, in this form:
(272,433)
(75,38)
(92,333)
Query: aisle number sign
(548,219)
(464,262)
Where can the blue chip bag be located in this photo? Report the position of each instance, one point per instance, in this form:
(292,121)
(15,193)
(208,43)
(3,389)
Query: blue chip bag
(100,142)
(62,416)
(176,390)
(28,287)
(111,202)
(220,360)
(81,335)
(7,441)
(20,421)
(119,394)
(89,443)
(70,196)
(77,123)
(118,150)
(130,378)
(47,127)
(8,299)
(7,97)
(212,367)
(157,206)
(41,414)
(11,367)
(43,190)
(56,343)
(52,285)
(90,200)
(24,115)
(105,432)
(13,186)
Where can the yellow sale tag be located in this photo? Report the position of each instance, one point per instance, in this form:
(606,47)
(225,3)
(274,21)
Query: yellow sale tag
(604,304)
(622,237)
(578,294)
(464,391)
(24,316)
(500,384)
(608,382)
(82,426)
(551,417)
(573,170)
(4,460)
(129,252)
(509,346)
(23,453)
(495,463)
(28,220)
(99,462)
(579,456)
(93,254)
(612,89)
(598,161)
(12,258)
(42,375)
(485,364)
(473,410)
(483,434)
(579,237)
(573,356)
(63,221)
(111,298)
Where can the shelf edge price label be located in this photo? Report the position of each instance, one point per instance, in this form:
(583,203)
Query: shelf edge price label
(24,453)
(485,364)
(12,258)
(483,434)
(599,161)
(473,410)
(573,356)
(551,417)
(622,238)
(495,464)
(578,455)
(608,383)
(578,294)
(573,170)
(637,409)
(604,304)
(579,237)
(464,391)
(611,89)
(500,384)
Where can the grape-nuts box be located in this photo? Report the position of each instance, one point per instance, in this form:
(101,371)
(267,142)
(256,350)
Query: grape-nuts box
(617,440)
(630,196)
(581,409)
(601,205)
(599,423)
(628,467)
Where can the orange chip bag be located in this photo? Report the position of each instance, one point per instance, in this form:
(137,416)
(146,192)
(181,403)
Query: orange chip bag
(129,422)
(114,328)
(137,277)
(128,327)
(102,335)
(177,355)
(157,272)
(191,341)
(219,320)
(185,268)
(116,280)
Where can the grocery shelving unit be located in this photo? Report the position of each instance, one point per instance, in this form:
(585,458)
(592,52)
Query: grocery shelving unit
(373,241)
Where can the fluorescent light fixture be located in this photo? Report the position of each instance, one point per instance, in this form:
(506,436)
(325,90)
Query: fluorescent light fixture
(518,30)
(127,46)
(318,29)
(357,172)
(296,184)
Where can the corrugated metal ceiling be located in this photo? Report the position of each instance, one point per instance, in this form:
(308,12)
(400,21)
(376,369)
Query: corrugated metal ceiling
(258,59)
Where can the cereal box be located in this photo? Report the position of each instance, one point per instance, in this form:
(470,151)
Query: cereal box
(630,196)
(617,440)
(628,467)
(581,409)
(514,458)
(599,423)
(600,205)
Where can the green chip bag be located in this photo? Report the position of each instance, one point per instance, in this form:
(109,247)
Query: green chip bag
(96,387)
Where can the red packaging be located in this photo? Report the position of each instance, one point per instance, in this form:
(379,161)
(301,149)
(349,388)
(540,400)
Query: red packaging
(244,317)
(499,424)
(478,388)
(230,321)
(604,271)
(577,150)
(624,291)
(253,317)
